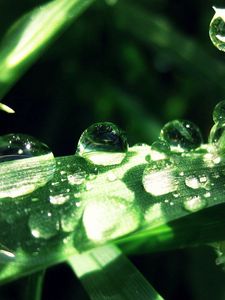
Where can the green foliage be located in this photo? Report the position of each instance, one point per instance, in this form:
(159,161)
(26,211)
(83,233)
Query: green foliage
(142,198)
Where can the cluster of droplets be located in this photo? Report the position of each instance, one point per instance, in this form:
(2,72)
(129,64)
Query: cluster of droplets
(161,177)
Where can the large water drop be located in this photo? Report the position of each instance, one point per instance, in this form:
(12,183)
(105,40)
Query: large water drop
(103,144)
(217,29)
(181,135)
(19,146)
(25,165)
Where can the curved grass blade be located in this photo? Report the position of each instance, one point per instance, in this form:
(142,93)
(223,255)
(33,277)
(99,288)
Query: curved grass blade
(106,273)
(34,286)
(29,36)
(81,208)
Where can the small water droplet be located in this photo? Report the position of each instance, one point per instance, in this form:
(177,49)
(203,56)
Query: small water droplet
(195,203)
(181,135)
(207,195)
(59,199)
(217,29)
(43,225)
(159,178)
(103,144)
(192,182)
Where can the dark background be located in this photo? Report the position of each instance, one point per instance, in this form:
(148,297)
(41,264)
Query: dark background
(138,64)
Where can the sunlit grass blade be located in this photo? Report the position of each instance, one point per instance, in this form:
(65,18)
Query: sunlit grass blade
(106,273)
(6,108)
(34,286)
(31,34)
(80,209)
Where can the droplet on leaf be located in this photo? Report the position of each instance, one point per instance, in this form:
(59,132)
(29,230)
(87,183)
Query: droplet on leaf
(217,29)
(103,144)
(181,135)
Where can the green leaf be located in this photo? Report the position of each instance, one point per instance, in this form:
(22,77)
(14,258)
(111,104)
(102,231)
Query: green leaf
(30,35)
(34,286)
(107,274)
(84,206)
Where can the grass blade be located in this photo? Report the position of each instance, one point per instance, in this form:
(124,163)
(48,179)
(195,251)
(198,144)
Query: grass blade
(107,274)
(34,286)
(28,37)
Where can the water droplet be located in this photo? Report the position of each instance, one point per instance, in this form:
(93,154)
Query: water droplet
(217,29)
(217,136)
(219,112)
(59,199)
(195,203)
(159,178)
(159,150)
(31,158)
(43,225)
(103,144)
(192,182)
(181,135)
(19,146)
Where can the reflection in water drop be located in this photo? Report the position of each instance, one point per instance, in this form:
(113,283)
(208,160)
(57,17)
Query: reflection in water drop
(103,144)
(159,178)
(181,135)
(217,29)
(195,203)
(21,158)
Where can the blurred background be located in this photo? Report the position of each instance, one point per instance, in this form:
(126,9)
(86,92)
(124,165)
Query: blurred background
(138,64)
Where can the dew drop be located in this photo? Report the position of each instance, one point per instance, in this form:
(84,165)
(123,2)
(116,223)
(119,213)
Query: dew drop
(192,182)
(59,199)
(195,203)
(19,146)
(43,225)
(103,144)
(217,136)
(181,135)
(159,178)
(217,29)
(23,157)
